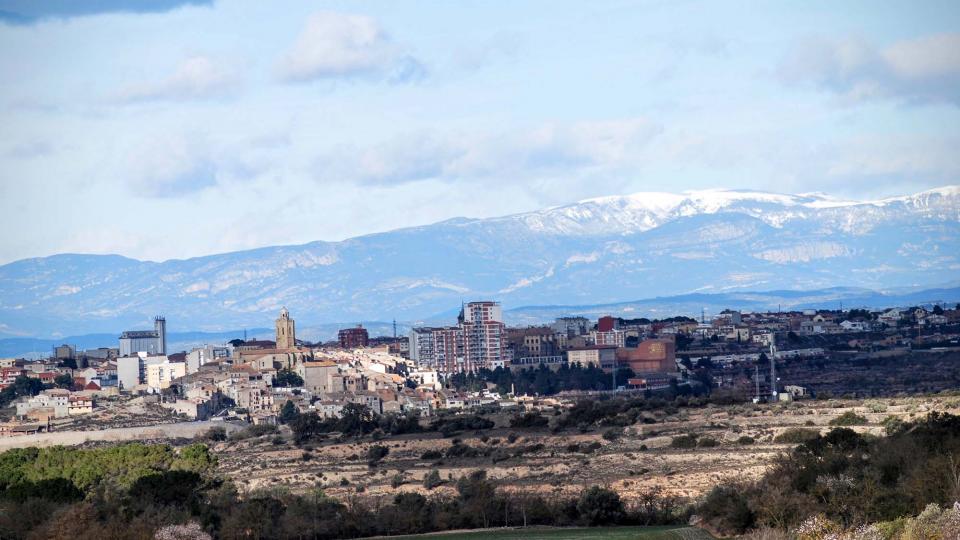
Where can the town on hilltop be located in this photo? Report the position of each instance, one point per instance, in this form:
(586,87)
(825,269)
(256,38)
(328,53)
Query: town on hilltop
(478,362)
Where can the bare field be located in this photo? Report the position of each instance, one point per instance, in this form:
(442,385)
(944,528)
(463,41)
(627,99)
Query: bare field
(641,460)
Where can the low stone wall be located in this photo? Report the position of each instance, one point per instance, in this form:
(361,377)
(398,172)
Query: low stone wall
(71,438)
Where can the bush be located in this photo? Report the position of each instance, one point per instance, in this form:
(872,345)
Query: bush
(891,424)
(684,441)
(431,455)
(451,426)
(396,481)
(215,434)
(600,506)
(746,439)
(376,453)
(612,434)
(251,432)
(796,436)
(707,442)
(727,509)
(530,420)
(849,418)
(432,479)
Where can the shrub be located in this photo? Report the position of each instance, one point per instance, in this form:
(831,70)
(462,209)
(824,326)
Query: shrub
(396,481)
(891,424)
(746,439)
(599,505)
(251,432)
(707,442)
(684,441)
(726,508)
(376,453)
(796,436)
(849,418)
(530,420)
(215,434)
(432,479)
(612,434)
(431,454)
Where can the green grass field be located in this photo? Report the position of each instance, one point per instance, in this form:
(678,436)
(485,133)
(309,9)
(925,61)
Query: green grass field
(592,533)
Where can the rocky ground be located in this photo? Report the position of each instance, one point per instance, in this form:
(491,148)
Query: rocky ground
(641,460)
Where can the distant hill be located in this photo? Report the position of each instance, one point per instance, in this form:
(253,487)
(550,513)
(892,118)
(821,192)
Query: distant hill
(660,307)
(594,252)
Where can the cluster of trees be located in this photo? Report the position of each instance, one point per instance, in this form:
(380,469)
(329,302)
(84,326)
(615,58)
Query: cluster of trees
(850,478)
(134,490)
(355,420)
(22,386)
(287,379)
(541,380)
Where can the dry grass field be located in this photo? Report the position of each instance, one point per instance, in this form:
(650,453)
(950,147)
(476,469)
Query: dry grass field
(639,461)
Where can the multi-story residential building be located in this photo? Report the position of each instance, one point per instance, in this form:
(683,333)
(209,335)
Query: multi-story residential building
(438,348)
(535,341)
(204,355)
(160,375)
(484,335)
(351,338)
(601,356)
(57,400)
(79,404)
(608,333)
(132,370)
(613,338)
(571,326)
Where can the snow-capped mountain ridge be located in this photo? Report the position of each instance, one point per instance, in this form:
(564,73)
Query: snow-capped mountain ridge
(601,250)
(643,211)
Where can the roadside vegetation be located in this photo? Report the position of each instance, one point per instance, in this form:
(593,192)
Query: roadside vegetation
(843,480)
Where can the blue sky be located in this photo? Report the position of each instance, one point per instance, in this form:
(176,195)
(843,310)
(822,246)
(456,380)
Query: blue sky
(170,129)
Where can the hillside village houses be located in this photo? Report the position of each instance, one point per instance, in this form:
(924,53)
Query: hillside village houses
(252,379)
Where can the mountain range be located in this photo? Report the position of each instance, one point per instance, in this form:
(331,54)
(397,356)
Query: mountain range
(594,252)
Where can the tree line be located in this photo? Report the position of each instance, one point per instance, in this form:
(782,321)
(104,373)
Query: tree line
(134,490)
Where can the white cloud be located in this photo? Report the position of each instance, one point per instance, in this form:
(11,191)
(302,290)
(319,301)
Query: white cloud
(197,77)
(548,149)
(169,167)
(341,45)
(922,70)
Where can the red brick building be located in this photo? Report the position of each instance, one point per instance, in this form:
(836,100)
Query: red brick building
(351,338)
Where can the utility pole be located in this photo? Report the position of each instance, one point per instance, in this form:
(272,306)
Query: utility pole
(614,375)
(773,372)
(756,379)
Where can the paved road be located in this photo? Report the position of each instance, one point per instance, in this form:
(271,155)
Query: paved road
(70,438)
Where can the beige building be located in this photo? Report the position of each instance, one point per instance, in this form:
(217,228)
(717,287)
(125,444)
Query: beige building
(286,331)
(601,356)
(320,376)
(160,375)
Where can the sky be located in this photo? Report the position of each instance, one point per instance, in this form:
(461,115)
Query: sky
(161,129)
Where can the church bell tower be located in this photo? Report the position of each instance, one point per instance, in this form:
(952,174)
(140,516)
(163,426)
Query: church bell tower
(286,331)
